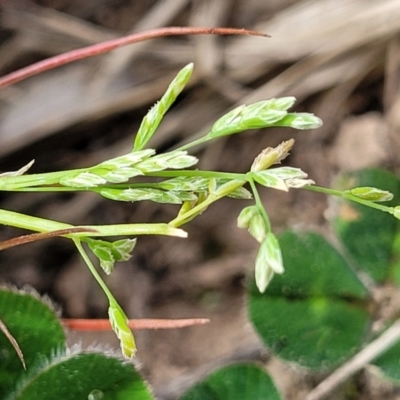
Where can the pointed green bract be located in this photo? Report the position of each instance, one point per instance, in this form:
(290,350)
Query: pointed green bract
(119,323)
(109,253)
(371,194)
(255,116)
(153,118)
(300,121)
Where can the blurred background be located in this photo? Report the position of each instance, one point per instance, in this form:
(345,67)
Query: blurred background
(339,58)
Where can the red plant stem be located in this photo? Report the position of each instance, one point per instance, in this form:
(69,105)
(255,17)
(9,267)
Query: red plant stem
(113,44)
(134,324)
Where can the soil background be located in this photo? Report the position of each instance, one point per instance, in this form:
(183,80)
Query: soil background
(339,58)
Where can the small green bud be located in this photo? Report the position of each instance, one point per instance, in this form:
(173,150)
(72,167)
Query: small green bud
(241,193)
(111,252)
(84,179)
(263,272)
(181,160)
(274,253)
(300,121)
(154,117)
(251,218)
(272,155)
(228,187)
(119,323)
(266,179)
(282,178)
(371,194)
(246,215)
(396,212)
(268,261)
(185,183)
(258,115)
(126,160)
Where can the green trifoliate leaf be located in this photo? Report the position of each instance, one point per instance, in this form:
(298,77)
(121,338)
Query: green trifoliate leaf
(109,253)
(300,121)
(153,118)
(268,261)
(371,194)
(119,323)
(255,116)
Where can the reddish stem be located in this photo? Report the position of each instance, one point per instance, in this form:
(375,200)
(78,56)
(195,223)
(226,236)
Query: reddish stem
(105,47)
(33,237)
(134,324)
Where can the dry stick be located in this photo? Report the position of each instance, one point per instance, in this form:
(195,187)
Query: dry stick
(33,237)
(105,47)
(13,342)
(135,324)
(373,350)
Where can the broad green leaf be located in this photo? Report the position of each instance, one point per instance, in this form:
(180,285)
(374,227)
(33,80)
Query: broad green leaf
(368,234)
(86,376)
(35,327)
(235,382)
(314,314)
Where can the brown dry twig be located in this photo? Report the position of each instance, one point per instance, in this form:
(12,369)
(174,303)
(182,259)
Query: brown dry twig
(33,237)
(384,342)
(105,47)
(13,342)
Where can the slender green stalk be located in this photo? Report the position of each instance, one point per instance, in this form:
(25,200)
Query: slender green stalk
(258,202)
(13,183)
(348,196)
(199,208)
(93,270)
(41,184)
(37,224)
